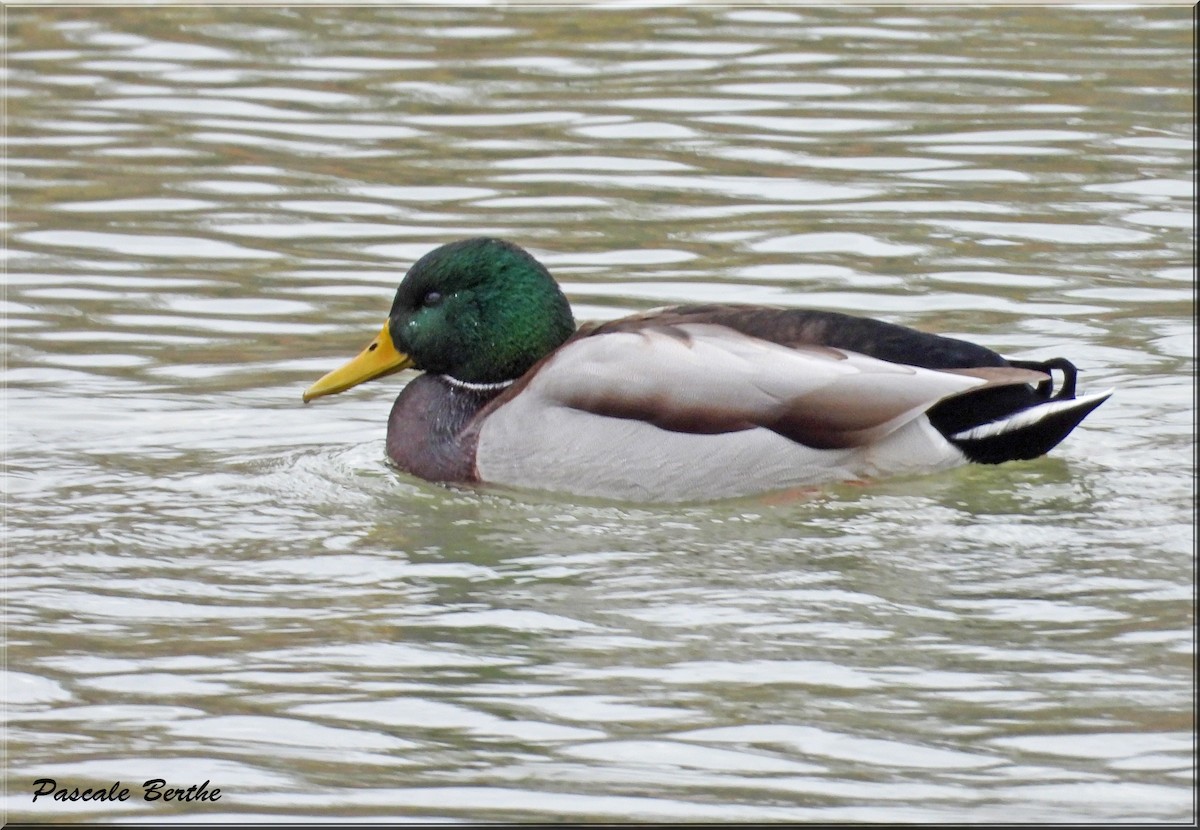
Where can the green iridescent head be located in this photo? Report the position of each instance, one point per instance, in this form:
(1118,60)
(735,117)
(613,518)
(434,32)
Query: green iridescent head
(480,310)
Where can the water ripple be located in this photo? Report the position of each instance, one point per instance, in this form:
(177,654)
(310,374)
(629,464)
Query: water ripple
(212,207)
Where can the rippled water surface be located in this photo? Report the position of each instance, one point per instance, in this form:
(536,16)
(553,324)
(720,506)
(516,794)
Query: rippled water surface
(206,580)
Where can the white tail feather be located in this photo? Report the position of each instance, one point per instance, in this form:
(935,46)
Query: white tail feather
(1027,417)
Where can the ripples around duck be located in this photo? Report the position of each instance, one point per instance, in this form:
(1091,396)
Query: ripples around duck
(208,581)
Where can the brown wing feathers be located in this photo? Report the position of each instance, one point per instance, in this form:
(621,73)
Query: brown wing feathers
(803,327)
(861,406)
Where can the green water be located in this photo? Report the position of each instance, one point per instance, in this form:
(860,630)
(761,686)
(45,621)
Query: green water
(207,581)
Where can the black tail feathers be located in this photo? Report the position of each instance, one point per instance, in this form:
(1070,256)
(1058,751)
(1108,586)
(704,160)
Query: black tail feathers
(1010,423)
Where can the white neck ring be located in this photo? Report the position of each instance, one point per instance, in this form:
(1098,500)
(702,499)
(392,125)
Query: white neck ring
(477,387)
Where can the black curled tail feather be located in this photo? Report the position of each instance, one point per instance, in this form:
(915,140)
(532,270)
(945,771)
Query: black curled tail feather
(1066,391)
(1013,423)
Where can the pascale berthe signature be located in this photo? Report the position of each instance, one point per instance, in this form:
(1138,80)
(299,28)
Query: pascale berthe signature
(155,789)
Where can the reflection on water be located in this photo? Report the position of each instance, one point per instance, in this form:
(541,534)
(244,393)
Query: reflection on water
(209,581)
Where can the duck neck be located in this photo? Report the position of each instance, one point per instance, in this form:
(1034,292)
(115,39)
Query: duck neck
(429,431)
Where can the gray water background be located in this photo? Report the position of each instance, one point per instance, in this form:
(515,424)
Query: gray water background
(207,208)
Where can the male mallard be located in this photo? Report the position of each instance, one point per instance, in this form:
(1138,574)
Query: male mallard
(689,402)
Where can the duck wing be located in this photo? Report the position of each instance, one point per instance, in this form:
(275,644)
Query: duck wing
(795,327)
(683,372)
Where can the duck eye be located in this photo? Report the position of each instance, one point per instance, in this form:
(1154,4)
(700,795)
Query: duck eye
(433,298)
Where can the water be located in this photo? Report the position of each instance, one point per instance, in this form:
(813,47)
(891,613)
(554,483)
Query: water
(206,580)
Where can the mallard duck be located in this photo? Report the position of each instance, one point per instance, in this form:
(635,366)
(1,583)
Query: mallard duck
(692,402)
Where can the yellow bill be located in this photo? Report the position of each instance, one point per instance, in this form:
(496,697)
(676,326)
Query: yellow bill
(379,358)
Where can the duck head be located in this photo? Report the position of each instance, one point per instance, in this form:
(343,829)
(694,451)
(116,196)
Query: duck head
(479,310)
